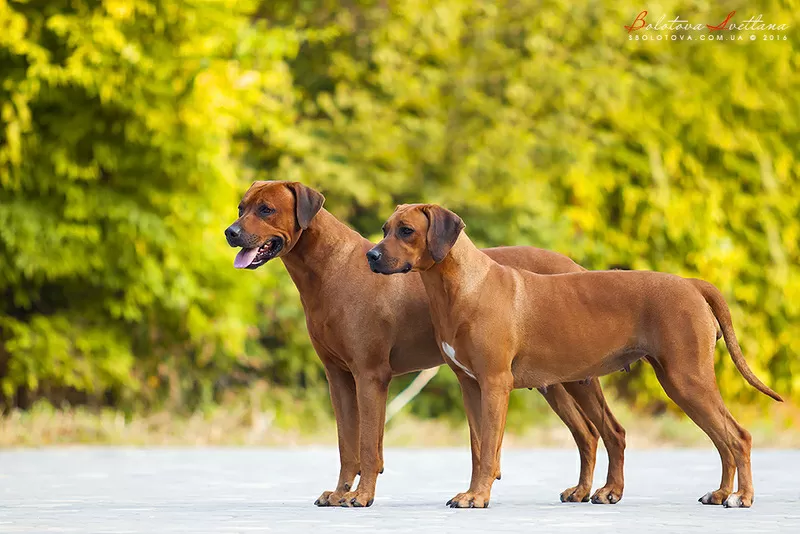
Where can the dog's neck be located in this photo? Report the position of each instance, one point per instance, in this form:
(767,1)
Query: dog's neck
(321,250)
(459,274)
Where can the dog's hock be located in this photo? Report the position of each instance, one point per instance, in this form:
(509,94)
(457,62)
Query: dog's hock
(451,353)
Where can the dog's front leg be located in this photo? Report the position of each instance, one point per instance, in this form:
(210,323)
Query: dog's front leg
(471,395)
(372,388)
(345,407)
(495,390)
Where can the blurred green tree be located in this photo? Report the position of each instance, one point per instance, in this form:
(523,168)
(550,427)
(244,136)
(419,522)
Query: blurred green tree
(542,123)
(131,127)
(117,181)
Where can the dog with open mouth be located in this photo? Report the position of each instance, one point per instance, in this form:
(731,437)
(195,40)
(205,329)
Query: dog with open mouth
(368,328)
(262,230)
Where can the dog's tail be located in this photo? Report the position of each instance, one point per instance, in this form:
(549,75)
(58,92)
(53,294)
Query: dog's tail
(723,315)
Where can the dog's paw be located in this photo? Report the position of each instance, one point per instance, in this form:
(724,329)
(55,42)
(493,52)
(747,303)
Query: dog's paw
(737,500)
(469,500)
(714,497)
(329,498)
(575,494)
(607,495)
(357,499)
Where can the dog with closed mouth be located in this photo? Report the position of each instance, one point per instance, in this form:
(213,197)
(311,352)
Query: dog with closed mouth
(367,329)
(502,328)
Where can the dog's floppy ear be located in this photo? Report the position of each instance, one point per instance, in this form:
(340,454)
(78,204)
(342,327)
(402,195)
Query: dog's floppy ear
(444,226)
(307,203)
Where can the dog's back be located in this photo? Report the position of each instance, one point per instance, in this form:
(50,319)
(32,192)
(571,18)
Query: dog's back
(415,347)
(533,259)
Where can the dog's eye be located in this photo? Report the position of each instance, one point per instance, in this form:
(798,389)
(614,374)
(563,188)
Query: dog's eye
(405,231)
(384,230)
(241,211)
(265,210)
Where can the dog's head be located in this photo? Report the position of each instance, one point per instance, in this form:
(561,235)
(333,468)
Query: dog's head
(272,216)
(415,237)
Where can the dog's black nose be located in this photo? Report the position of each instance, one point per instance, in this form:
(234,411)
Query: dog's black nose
(373,255)
(233,232)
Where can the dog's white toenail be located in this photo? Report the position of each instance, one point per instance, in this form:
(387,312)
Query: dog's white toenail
(733,501)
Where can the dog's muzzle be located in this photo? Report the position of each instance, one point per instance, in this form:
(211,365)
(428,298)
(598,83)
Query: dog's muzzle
(233,234)
(254,257)
(379,264)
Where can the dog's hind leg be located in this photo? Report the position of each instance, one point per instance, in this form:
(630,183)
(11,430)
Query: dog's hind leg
(585,435)
(594,406)
(691,383)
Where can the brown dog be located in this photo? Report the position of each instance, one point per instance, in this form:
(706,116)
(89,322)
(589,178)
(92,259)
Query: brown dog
(368,328)
(502,328)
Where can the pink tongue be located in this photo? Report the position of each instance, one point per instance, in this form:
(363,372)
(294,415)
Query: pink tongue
(245,257)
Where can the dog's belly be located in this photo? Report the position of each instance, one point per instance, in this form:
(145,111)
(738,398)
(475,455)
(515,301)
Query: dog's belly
(617,361)
(534,373)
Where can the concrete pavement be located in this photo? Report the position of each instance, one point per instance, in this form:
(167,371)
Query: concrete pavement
(268,490)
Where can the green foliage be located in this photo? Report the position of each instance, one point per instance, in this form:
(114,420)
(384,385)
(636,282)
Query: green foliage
(117,181)
(543,124)
(131,127)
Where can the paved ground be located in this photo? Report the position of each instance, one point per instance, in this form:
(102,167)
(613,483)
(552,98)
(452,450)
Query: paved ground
(245,490)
